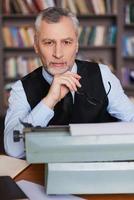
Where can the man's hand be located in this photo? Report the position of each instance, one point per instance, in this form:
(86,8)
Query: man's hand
(61,85)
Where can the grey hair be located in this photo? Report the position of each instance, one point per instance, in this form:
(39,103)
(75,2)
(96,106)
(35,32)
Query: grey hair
(53,15)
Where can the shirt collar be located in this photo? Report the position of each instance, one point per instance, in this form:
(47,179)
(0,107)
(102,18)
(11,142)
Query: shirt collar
(49,78)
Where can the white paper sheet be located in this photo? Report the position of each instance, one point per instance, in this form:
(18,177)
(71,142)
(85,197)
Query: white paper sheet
(102,128)
(10,166)
(37,192)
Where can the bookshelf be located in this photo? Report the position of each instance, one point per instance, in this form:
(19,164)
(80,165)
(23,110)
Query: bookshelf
(112,14)
(127,53)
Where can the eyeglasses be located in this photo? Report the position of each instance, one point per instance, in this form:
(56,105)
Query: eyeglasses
(93,100)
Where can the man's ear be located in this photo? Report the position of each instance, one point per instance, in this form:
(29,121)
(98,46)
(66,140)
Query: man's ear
(35,44)
(35,48)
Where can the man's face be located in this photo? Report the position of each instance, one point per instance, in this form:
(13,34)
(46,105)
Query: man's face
(57,45)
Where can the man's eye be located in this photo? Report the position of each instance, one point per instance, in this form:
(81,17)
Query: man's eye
(67,42)
(49,43)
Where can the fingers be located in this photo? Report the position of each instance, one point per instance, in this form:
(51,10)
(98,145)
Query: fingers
(62,83)
(73,82)
(70,80)
(77,76)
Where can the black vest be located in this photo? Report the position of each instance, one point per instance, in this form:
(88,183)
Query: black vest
(89,108)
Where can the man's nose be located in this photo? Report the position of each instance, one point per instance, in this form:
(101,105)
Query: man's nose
(58,51)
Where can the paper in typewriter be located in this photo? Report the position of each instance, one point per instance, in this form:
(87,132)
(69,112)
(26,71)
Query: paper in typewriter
(102,128)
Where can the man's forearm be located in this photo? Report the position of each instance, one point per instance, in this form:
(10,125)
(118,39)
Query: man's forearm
(39,116)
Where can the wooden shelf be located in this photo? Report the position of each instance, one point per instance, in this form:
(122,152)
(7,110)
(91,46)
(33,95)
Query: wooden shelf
(18,16)
(18,19)
(129,25)
(128,58)
(20,49)
(108,47)
(108,16)
(23,49)
(14,52)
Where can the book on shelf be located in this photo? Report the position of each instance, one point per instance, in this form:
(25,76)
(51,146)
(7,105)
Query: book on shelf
(127,76)
(14,35)
(17,67)
(68,4)
(132,13)
(129,13)
(108,6)
(25,7)
(90,7)
(98,35)
(92,36)
(32,6)
(7,37)
(15,6)
(85,35)
(50,3)
(82,35)
(99,6)
(82,7)
(10,68)
(6,8)
(25,37)
(128,46)
(30,33)
(114,7)
(86,7)
(22,66)
(41,4)
(22,36)
(96,6)
(111,35)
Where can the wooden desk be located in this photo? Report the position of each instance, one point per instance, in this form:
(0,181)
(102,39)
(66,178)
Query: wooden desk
(35,173)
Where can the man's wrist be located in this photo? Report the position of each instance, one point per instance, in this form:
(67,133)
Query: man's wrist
(48,101)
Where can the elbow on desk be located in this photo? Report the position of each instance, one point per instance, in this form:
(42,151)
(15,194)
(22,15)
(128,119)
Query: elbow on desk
(14,149)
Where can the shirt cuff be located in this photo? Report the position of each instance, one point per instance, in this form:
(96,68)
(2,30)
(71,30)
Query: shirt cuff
(40,115)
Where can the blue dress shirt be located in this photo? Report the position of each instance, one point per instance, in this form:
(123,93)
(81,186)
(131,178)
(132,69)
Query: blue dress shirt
(19,109)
